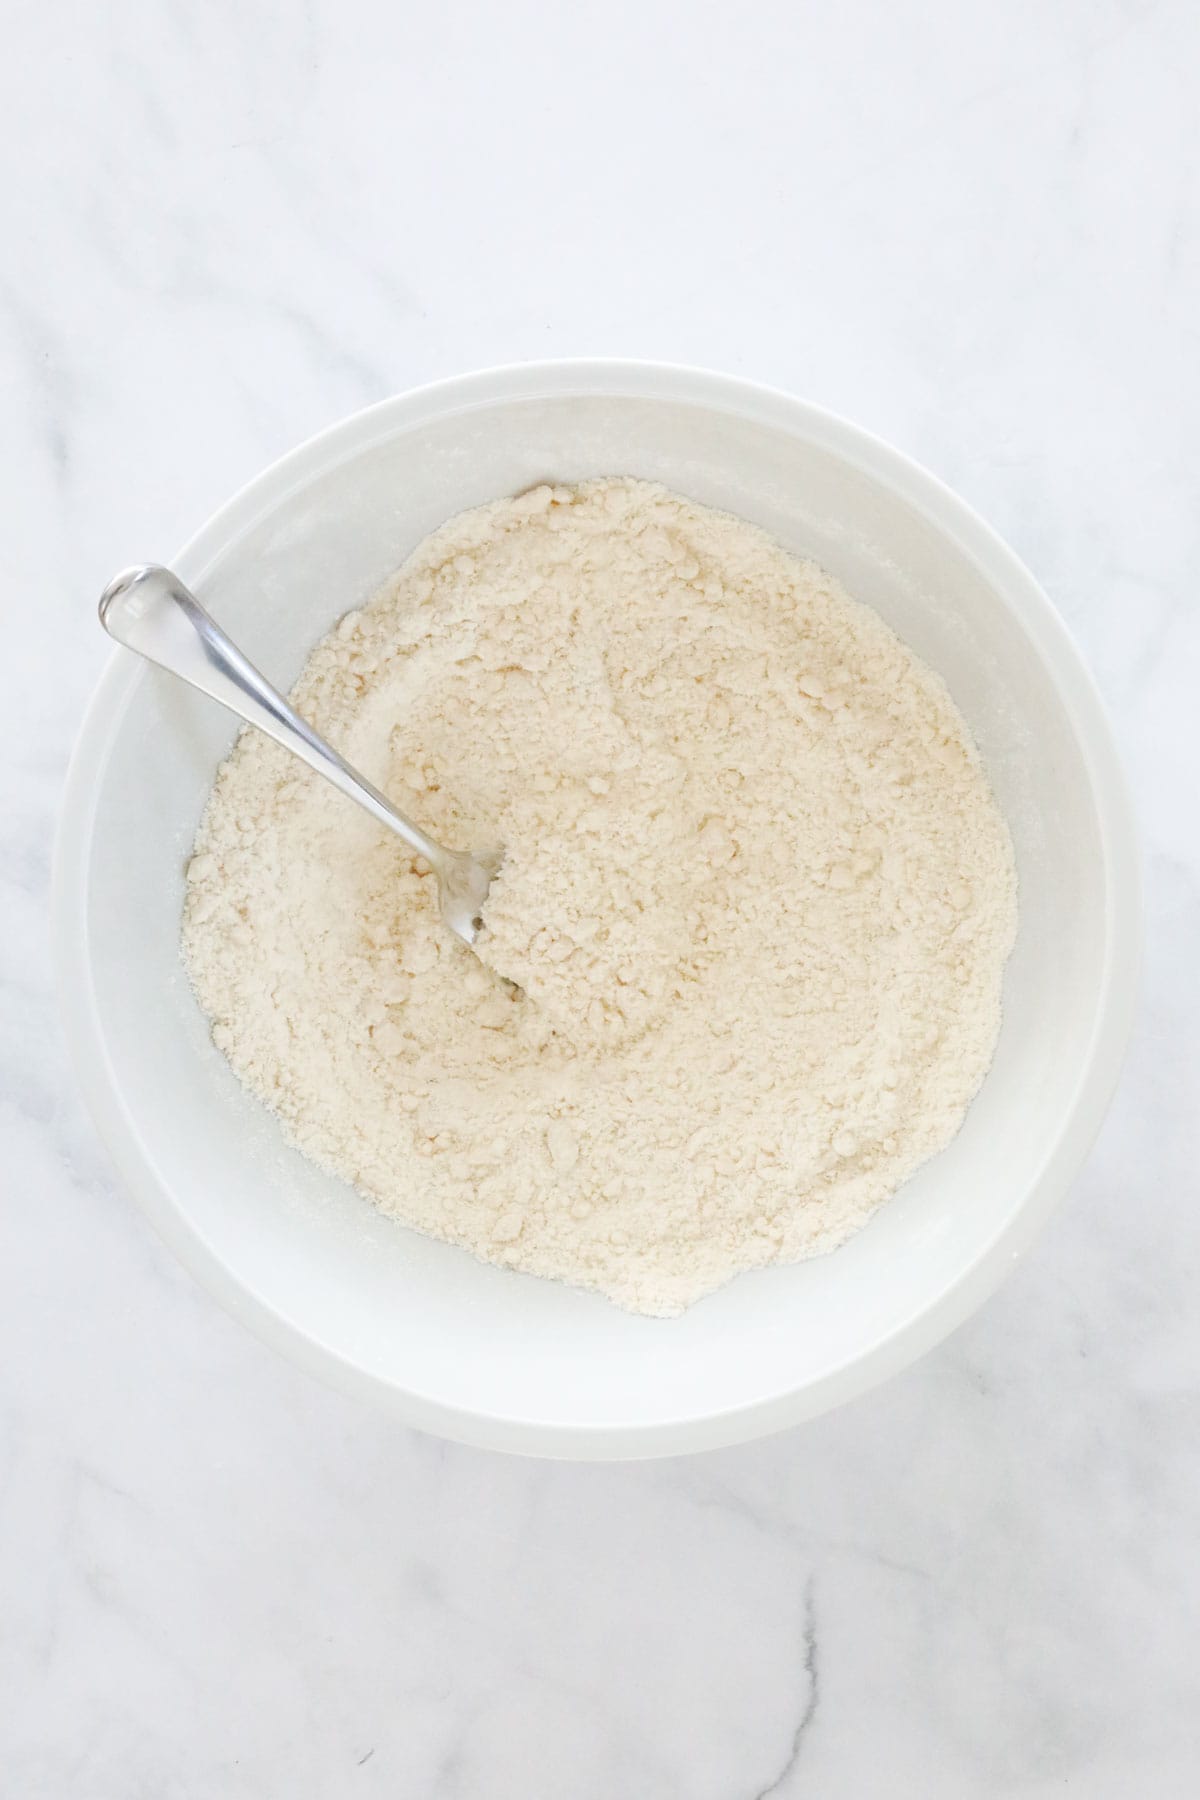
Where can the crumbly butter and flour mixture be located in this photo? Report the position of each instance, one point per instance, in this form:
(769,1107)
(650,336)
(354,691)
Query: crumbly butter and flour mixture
(741,969)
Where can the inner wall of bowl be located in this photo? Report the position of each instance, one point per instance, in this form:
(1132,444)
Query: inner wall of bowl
(423,1317)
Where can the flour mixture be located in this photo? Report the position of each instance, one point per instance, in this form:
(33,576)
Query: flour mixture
(741,969)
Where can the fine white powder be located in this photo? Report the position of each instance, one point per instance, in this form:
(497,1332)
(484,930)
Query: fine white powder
(741,970)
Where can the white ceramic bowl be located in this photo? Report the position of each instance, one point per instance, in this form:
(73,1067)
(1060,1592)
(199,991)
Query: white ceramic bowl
(488,1356)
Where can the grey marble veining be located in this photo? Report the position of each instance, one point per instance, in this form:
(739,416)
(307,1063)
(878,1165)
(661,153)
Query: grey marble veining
(975,230)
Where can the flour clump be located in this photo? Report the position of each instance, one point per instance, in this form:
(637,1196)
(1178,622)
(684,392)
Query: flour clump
(741,969)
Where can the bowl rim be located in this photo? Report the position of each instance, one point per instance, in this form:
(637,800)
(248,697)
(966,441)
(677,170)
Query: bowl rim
(1075,689)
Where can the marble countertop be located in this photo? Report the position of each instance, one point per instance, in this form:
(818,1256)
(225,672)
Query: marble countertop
(974,230)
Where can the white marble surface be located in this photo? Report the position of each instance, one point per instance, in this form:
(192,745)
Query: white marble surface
(974,229)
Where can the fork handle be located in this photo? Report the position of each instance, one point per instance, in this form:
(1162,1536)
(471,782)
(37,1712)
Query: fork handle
(150,610)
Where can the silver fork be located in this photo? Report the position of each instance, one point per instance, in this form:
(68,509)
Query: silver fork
(150,610)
